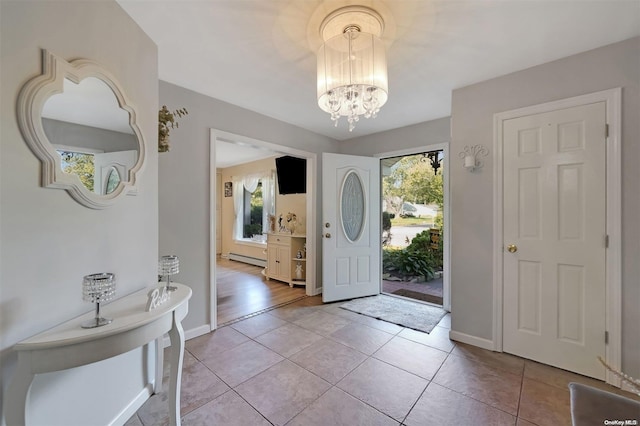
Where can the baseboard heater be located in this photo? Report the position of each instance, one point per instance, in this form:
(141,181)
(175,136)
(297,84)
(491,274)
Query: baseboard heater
(247,259)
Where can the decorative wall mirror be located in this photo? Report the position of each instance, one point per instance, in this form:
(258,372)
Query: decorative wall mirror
(79,123)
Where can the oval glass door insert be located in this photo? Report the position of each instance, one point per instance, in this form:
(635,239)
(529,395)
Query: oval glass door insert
(352,206)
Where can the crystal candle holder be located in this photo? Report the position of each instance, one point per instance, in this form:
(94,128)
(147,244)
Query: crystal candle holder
(98,288)
(167,266)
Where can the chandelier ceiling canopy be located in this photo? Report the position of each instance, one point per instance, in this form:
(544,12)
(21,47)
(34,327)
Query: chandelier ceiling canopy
(352,64)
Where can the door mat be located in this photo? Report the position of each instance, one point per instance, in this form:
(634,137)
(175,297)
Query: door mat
(417,316)
(419,296)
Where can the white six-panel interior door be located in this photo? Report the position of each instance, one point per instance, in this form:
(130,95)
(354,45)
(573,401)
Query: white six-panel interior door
(554,227)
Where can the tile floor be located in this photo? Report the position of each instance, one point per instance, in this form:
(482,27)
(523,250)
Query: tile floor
(310,364)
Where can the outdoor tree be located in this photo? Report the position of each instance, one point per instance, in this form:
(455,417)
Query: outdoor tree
(79,164)
(413,180)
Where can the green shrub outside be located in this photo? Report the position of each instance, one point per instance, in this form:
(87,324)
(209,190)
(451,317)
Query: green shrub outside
(417,259)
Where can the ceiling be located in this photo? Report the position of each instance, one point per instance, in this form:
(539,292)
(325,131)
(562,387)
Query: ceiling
(260,54)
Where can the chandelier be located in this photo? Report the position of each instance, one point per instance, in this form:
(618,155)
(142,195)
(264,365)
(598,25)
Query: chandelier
(352,66)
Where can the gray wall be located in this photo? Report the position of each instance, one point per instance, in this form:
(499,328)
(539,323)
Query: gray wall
(616,65)
(416,136)
(184,190)
(79,136)
(48,241)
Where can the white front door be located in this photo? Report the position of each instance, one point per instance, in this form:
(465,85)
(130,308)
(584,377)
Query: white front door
(350,227)
(554,237)
(111,168)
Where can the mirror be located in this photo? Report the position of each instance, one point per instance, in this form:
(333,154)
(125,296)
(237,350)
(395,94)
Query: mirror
(79,123)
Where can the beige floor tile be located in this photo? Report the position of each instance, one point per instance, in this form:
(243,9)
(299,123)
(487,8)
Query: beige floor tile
(360,337)
(387,327)
(441,406)
(523,422)
(260,324)
(338,408)
(561,378)
(491,385)
(384,387)
(322,323)
(445,322)
(413,357)
(544,405)
(293,311)
(282,391)
(228,410)
(438,338)
(155,411)
(215,342)
(199,386)
(242,362)
(134,421)
(288,340)
(504,361)
(329,360)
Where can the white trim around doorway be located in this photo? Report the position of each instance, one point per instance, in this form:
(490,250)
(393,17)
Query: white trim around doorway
(612,98)
(446,214)
(311,157)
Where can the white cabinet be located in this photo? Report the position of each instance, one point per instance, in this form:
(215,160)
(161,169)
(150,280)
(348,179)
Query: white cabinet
(286,258)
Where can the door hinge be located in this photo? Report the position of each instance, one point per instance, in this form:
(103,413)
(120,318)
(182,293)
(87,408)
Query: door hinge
(606,241)
(606,130)
(606,337)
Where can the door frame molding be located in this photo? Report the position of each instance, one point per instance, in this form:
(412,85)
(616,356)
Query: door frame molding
(613,285)
(312,165)
(446,215)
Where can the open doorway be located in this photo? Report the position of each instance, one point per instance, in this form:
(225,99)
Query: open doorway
(242,191)
(413,212)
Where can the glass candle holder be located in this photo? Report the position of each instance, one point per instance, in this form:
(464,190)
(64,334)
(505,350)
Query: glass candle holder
(98,288)
(167,266)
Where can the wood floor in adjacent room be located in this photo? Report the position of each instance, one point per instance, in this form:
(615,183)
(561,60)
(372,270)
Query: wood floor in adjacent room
(242,290)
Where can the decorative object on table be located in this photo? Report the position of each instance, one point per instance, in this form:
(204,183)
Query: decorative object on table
(228,189)
(167,266)
(98,288)
(166,122)
(299,254)
(281,227)
(157,297)
(470,156)
(272,223)
(292,222)
(299,271)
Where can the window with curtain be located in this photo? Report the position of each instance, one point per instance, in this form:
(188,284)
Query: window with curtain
(253,202)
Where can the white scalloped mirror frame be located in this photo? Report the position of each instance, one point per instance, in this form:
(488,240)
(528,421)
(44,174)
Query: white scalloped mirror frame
(31,100)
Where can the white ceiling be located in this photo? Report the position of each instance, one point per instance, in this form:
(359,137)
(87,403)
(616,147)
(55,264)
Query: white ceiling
(260,54)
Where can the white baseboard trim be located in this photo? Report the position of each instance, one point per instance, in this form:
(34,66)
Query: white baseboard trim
(133,406)
(471,340)
(189,334)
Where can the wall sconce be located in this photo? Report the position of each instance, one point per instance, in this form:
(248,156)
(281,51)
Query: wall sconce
(470,156)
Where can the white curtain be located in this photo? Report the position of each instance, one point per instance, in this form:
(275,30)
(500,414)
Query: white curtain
(250,183)
(238,195)
(268,198)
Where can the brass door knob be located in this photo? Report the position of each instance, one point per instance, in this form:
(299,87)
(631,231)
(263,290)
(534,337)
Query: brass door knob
(512,248)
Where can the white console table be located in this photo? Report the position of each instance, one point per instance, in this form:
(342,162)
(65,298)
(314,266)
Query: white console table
(69,345)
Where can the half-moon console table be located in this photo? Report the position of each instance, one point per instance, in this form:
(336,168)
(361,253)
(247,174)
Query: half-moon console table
(69,345)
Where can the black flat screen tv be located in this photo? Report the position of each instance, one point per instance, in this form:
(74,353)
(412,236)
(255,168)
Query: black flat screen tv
(292,175)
